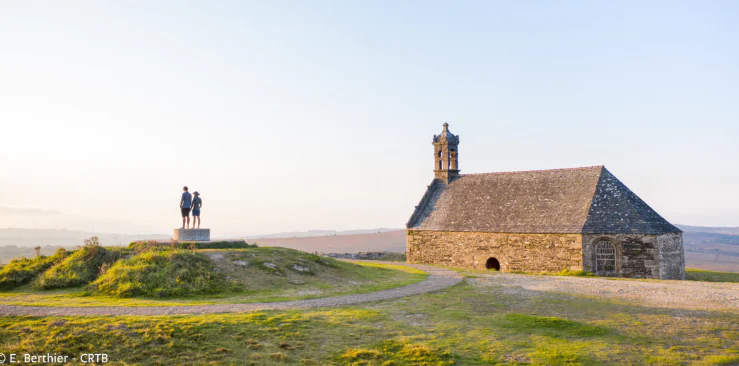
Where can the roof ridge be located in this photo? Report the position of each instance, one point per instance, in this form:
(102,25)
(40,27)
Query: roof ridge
(537,171)
(592,197)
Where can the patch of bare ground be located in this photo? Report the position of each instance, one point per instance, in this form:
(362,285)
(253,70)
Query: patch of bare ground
(690,295)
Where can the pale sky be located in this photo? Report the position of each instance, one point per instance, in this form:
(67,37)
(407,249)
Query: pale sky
(300,115)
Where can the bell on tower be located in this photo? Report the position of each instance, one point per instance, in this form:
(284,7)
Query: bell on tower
(446,155)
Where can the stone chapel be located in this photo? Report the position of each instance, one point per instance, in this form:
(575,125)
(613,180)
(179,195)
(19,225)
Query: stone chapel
(542,220)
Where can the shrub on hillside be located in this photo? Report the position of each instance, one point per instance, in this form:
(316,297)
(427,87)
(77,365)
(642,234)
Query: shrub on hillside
(21,271)
(79,268)
(165,273)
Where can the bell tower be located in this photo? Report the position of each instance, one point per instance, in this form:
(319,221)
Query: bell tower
(446,155)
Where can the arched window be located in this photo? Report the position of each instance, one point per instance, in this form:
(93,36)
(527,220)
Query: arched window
(605,258)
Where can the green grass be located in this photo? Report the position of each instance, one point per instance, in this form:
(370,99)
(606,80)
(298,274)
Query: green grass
(269,274)
(695,274)
(475,323)
(551,326)
(152,278)
(572,273)
(81,267)
(23,270)
(163,273)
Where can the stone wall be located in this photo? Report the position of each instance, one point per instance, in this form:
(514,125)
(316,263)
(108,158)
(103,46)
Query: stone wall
(640,255)
(514,252)
(671,256)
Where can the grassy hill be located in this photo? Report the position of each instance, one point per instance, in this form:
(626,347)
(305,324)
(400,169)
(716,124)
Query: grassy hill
(23,270)
(163,273)
(162,276)
(80,267)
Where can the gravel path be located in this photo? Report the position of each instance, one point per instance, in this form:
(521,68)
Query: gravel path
(438,279)
(654,293)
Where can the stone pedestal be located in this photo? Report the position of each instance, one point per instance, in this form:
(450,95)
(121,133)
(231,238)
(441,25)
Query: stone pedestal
(192,234)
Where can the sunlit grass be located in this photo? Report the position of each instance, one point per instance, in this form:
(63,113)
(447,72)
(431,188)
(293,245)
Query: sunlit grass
(473,323)
(369,277)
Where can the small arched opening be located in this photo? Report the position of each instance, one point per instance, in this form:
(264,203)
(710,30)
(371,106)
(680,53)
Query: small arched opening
(493,264)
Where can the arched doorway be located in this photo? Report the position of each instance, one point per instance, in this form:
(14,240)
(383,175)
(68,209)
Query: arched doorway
(493,264)
(605,258)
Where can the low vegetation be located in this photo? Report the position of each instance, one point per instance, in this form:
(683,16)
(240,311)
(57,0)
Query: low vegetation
(695,274)
(160,276)
(280,274)
(163,273)
(474,323)
(572,273)
(81,267)
(22,271)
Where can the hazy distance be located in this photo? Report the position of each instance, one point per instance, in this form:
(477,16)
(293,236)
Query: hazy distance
(319,115)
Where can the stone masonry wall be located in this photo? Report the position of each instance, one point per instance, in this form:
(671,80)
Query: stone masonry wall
(637,255)
(671,256)
(515,252)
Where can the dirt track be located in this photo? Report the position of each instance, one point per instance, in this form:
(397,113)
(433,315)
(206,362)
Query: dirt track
(654,293)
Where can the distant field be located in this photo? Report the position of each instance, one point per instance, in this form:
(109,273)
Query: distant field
(695,274)
(390,241)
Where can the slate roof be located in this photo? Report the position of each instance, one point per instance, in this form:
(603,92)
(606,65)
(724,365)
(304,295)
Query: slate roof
(579,200)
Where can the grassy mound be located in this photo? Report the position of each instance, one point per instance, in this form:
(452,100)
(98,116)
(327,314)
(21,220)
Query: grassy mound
(280,274)
(163,273)
(129,277)
(79,268)
(21,271)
